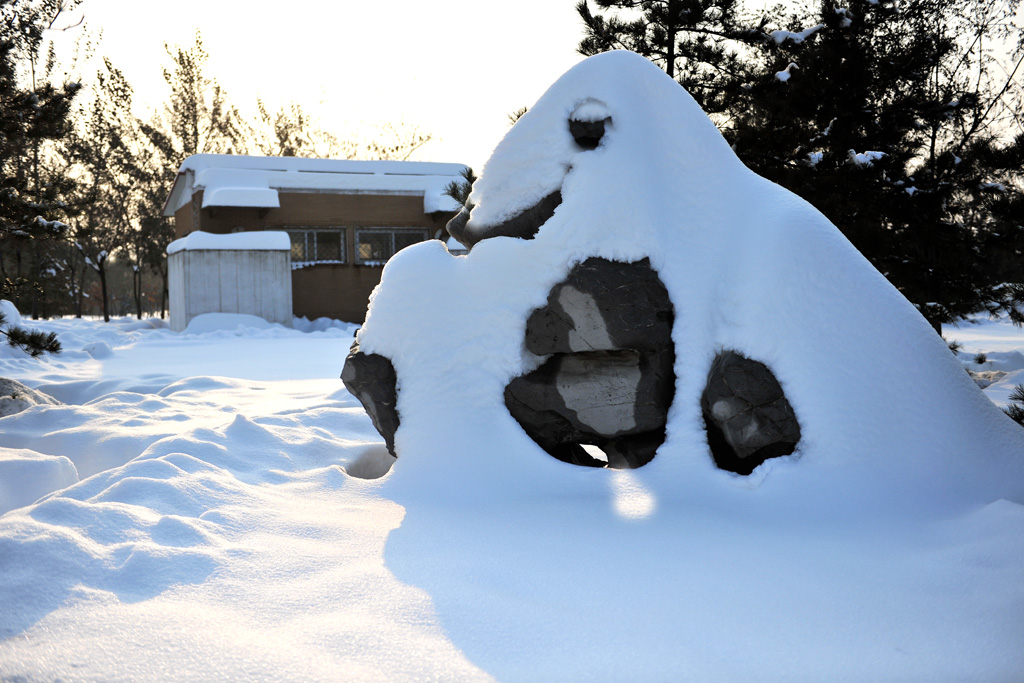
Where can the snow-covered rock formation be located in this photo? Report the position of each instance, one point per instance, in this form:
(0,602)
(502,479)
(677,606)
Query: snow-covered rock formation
(749,267)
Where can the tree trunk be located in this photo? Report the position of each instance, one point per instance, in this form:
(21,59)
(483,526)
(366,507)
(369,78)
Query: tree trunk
(163,293)
(102,270)
(35,281)
(137,290)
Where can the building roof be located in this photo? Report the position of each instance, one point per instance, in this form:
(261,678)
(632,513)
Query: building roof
(244,181)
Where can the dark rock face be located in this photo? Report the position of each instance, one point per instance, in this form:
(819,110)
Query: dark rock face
(371,378)
(523,225)
(587,134)
(603,306)
(746,413)
(609,380)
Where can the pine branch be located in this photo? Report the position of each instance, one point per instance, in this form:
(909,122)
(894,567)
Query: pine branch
(33,342)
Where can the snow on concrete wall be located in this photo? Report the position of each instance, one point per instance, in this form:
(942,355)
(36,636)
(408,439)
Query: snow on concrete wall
(254,281)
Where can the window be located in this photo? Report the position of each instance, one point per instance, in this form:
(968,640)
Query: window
(374,246)
(321,245)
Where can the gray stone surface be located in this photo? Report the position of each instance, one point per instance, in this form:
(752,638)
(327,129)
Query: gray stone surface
(523,225)
(603,305)
(371,378)
(16,397)
(746,413)
(608,381)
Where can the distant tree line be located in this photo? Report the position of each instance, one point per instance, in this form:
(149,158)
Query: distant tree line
(901,121)
(83,178)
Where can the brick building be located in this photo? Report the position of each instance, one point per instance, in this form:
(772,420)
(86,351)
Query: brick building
(345,218)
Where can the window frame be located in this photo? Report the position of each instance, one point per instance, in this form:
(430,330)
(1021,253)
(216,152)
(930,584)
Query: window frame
(309,238)
(423,233)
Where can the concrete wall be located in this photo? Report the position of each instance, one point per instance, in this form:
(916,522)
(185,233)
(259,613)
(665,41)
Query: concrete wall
(222,281)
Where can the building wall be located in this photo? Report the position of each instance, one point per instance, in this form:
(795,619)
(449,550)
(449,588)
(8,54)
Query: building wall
(310,209)
(222,281)
(332,290)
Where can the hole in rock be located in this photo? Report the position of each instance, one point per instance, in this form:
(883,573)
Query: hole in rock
(587,134)
(594,452)
(747,416)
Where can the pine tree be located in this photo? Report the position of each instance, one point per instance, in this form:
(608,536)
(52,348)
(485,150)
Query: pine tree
(700,43)
(32,342)
(885,115)
(34,113)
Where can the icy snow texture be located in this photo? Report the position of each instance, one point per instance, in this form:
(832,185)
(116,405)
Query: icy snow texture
(269,240)
(236,542)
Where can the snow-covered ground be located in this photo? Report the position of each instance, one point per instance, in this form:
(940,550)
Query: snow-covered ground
(225,530)
(229,525)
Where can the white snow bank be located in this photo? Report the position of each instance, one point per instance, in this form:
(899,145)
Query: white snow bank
(215,322)
(268,240)
(26,476)
(10,312)
(16,397)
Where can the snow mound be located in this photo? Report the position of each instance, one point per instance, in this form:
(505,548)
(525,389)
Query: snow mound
(325,325)
(16,397)
(10,312)
(26,476)
(98,350)
(219,322)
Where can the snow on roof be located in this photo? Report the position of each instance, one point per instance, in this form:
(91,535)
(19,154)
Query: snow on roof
(268,240)
(234,180)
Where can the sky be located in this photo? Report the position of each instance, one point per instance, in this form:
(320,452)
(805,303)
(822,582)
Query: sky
(453,68)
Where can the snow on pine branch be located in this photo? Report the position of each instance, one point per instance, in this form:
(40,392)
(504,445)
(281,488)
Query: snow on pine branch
(782,36)
(786,73)
(864,159)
